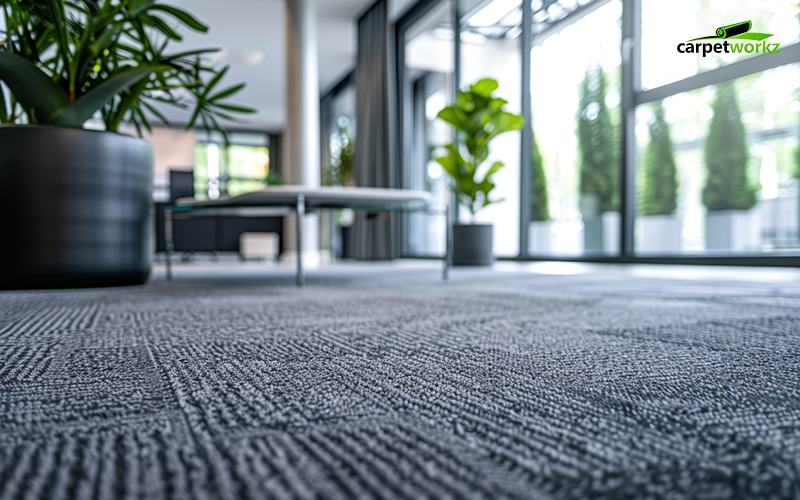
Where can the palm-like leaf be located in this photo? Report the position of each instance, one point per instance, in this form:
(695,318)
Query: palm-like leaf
(98,55)
(83,108)
(35,91)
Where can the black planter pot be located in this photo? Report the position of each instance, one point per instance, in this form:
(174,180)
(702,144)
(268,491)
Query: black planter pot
(472,245)
(76,208)
(346,246)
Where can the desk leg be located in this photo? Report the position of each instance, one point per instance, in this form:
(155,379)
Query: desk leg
(334,239)
(301,211)
(448,245)
(168,240)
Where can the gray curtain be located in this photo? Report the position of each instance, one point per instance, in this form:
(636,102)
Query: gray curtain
(376,235)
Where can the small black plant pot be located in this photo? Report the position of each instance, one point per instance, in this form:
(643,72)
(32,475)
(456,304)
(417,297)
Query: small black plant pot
(345,245)
(472,245)
(76,208)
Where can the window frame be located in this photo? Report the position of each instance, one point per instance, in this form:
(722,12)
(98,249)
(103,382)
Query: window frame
(632,96)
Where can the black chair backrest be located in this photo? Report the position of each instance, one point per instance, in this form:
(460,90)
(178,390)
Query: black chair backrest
(181,184)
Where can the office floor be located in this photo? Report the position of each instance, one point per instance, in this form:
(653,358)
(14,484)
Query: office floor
(529,381)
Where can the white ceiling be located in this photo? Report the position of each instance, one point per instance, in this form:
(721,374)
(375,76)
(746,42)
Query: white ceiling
(251,34)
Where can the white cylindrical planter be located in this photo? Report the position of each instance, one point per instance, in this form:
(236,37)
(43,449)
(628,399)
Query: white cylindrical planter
(658,234)
(540,237)
(602,234)
(732,230)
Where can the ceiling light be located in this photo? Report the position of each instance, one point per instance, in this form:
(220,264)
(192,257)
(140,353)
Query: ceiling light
(255,58)
(514,32)
(237,56)
(443,32)
(472,38)
(493,12)
(514,18)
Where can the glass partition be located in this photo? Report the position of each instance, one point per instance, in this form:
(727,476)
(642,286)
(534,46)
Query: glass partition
(575,87)
(428,86)
(490,48)
(662,154)
(718,166)
(239,168)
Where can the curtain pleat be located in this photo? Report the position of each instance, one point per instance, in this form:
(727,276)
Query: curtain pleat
(376,235)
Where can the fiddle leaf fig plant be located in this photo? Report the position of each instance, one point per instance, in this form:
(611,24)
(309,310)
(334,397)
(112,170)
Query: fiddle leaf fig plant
(478,117)
(63,60)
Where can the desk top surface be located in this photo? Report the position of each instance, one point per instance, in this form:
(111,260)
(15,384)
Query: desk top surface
(320,197)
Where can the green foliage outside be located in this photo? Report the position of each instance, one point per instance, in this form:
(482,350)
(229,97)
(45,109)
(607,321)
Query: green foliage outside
(273,178)
(478,118)
(658,193)
(599,160)
(63,60)
(727,186)
(340,171)
(540,210)
(796,173)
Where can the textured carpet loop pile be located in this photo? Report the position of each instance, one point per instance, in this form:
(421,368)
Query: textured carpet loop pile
(523,387)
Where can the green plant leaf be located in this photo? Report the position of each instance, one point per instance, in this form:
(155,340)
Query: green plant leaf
(156,112)
(137,112)
(182,16)
(484,87)
(237,109)
(84,107)
(454,116)
(159,24)
(4,116)
(195,114)
(215,80)
(102,42)
(227,92)
(56,9)
(181,55)
(138,7)
(496,103)
(493,169)
(478,117)
(86,44)
(452,162)
(31,86)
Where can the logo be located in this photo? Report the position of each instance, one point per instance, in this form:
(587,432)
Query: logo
(738,31)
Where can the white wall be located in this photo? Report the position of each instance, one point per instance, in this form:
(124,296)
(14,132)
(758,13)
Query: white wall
(173,149)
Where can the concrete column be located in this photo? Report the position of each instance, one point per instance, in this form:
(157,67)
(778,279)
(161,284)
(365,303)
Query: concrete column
(301,144)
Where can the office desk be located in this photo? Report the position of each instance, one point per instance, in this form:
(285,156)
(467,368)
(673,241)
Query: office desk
(276,200)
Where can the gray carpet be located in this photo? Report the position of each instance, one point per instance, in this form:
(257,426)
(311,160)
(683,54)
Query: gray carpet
(504,387)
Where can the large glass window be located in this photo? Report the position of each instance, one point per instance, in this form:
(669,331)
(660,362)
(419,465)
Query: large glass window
(490,48)
(338,114)
(718,167)
(711,162)
(427,86)
(575,86)
(338,133)
(241,167)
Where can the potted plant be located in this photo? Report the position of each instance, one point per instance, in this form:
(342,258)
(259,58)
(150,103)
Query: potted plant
(77,202)
(659,227)
(599,166)
(728,195)
(478,117)
(540,229)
